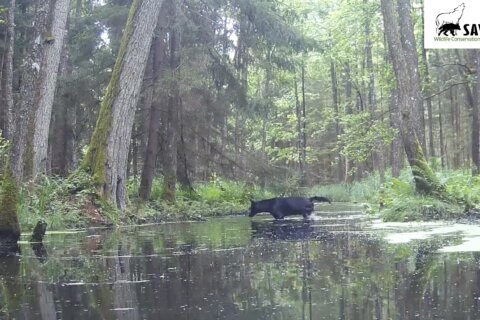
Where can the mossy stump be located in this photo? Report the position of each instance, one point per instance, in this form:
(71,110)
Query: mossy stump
(9,226)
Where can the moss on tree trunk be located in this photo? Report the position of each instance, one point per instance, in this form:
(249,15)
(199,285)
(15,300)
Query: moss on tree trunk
(9,226)
(107,156)
(96,157)
(425,179)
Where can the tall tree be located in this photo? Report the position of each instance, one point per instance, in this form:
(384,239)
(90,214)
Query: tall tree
(106,159)
(409,46)
(408,87)
(476,114)
(172,123)
(30,77)
(7,79)
(46,89)
(150,158)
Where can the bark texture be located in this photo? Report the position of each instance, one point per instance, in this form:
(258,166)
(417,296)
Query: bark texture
(476,114)
(53,45)
(149,164)
(409,46)
(172,124)
(107,156)
(408,86)
(8,79)
(30,76)
(397,144)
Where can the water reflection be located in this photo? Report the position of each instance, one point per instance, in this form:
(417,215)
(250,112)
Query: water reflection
(236,268)
(292,230)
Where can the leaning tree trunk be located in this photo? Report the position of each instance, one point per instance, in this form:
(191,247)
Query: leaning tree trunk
(30,76)
(53,45)
(106,159)
(425,180)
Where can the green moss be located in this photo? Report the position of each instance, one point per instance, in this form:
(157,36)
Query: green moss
(96,157)
(28,158)
(169,189)
(426,181)
(9,204)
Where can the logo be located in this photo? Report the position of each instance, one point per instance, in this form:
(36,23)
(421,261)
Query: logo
(451,24)
(449,21)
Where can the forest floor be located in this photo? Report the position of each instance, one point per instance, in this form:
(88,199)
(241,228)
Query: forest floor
(61,205)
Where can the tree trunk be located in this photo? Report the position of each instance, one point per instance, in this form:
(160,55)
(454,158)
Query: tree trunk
(9,197)
(408,95)
(397,144)
(106,159)
(303,178)
(46,90)
(349,164)
(8,66)
(378,161)
(428,82)
(182,162)
(455,128)
(476,114)
(25,107)
(409,46)
(62,144)
(298,115)
(333,76)
(443,153)
(134,147)
(150,160)
(171,139)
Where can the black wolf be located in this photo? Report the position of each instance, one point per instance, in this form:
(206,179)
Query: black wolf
(282,207)
(448,27)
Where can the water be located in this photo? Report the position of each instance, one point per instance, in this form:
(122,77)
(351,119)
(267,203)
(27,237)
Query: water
(340,265)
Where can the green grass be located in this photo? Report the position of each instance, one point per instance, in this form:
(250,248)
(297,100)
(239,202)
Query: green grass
(213,198)
(401,203)
(51,199)
(363,191)
(61,202)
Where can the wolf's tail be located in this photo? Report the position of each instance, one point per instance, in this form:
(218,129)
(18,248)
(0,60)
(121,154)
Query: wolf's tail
(320,199)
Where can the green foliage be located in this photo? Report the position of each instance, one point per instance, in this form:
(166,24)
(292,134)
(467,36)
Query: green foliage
(213,198)
(362,135)
(9,204)
(398,200)
(9,193)
(402,203)
(56,201)
(361,191)
(419,208)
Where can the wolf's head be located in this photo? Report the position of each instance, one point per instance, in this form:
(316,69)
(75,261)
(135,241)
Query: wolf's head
(460,7)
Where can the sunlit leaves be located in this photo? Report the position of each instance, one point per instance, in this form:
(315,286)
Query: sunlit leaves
(362,135)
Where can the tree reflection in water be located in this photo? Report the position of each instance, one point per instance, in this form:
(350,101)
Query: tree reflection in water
(237,268)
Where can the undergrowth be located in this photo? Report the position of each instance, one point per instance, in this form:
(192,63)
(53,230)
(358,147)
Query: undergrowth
(361,191)
(71,202)
(62,203)
(214,198)
(396,199)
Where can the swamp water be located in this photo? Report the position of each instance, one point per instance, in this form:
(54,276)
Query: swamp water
(340,265)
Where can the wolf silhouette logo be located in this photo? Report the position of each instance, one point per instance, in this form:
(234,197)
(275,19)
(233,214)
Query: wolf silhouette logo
(450,21)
